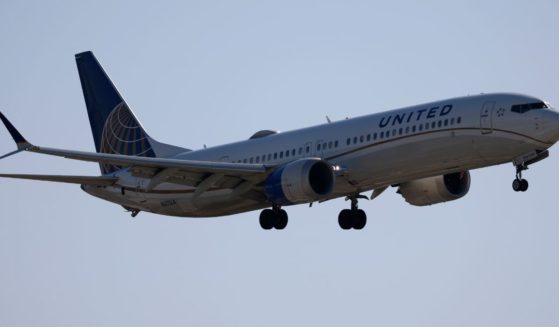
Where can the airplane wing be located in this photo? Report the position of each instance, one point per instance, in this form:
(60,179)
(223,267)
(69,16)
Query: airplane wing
(186,172)
(124,160)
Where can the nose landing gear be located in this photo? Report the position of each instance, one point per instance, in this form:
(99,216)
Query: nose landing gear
(519,184)
(521,163)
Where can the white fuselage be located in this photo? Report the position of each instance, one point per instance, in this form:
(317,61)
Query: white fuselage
(371,152)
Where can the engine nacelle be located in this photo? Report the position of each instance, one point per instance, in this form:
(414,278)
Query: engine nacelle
(300,181)
(437,189)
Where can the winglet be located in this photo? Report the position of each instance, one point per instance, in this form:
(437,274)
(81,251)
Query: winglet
(21,142)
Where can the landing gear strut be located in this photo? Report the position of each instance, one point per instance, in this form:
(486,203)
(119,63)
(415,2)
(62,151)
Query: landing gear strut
(354,217)
(519,184)
(273,218)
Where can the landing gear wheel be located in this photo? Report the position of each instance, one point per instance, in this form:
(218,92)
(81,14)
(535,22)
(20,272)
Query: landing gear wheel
(267,218)
(345,219)
(523,185)
(516,185)
(280,219)
(273,218)
(354,217)
(520,185)
(359,219)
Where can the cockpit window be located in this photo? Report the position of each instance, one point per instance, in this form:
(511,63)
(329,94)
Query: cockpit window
(522,108)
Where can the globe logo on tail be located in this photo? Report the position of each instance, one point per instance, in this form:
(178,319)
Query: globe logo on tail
(123,134)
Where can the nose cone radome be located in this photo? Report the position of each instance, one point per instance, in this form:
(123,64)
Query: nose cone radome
(552,125)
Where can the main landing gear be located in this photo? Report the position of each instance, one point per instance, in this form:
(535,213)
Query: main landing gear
(348,218)
(519,184)
(273,218)
(354,217)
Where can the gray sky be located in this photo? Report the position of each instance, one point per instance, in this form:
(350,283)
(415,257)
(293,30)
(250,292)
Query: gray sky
(211,72)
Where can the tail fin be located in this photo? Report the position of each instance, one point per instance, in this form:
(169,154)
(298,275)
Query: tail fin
(114,126)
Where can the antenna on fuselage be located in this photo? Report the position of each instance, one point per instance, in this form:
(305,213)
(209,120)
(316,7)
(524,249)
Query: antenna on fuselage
(328,119)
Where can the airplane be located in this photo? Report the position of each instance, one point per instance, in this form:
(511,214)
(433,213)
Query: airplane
(426,151)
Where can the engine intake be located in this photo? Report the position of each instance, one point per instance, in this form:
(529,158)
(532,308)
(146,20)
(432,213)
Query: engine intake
(300,181)
(437,189)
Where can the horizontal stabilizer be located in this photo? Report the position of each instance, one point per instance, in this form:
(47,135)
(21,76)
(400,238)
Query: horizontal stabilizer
(86,180)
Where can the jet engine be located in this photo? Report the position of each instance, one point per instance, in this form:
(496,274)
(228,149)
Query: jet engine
(437,189)
(300,181)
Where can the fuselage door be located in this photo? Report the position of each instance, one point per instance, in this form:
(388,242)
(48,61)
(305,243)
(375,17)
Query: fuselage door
(486,117)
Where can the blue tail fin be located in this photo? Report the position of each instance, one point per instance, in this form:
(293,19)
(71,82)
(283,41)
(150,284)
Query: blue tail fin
(114,126)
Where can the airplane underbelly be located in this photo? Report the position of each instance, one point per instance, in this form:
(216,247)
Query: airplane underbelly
(178,203)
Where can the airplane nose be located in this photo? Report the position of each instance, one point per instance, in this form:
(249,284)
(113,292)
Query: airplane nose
(552,125)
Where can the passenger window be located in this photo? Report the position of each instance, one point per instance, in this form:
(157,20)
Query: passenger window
(382,135)
(368,137)
(446,122)
(269,157)
(401,131)
(275,155)
(361,139)
(336,144)
(300,151)
(426,126)
(393,132)
(355,140)
(293,152)
(451,121)
(375,136)
(251,160)
(287,153)
(407,129)
(440,123)
(458,120)
(413,129)
(420,127)
(308,149)
(281,155)
(330,145)
(433,125)
(257,159)
(348,141)
(318,147)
